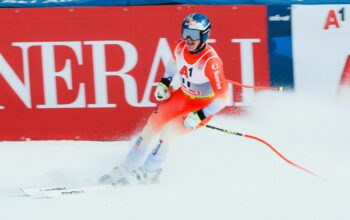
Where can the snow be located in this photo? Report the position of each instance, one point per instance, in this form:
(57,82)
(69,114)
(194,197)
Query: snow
(208,175)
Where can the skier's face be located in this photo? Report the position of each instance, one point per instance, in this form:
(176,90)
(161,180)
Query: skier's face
(191,45)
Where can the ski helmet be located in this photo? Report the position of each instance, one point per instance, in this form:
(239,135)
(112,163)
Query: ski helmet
(197,27)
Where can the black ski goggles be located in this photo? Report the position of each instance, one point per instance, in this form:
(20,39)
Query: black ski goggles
(193,34)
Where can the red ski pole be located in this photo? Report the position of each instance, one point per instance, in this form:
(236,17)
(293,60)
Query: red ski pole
(256,87)
(268,145)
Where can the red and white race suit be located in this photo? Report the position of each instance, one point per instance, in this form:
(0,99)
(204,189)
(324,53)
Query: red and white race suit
(203,87)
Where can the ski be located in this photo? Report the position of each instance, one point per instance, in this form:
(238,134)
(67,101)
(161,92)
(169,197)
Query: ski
(60,191)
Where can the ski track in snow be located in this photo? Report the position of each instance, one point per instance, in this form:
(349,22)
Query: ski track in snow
(208,175)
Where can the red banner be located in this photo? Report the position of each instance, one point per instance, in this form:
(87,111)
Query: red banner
(89,73)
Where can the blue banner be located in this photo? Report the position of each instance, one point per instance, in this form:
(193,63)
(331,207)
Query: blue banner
(69,3)
(280,46)
(300,2)
(60,3)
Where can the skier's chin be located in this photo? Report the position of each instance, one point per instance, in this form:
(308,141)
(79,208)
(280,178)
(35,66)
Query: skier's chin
(190,46)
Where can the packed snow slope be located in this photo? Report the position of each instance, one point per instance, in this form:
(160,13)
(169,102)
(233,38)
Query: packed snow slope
(209,174)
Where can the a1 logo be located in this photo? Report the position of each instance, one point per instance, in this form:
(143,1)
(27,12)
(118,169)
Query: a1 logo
(334,18)
(187,72)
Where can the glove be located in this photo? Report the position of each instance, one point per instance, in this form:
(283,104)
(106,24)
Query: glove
(193,119)
(162,92)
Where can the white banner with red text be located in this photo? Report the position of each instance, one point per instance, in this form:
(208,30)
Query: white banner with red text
(321,48)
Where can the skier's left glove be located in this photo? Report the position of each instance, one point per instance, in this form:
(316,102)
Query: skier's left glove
(193,119)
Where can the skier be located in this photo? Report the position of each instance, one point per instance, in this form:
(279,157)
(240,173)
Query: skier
(202,94)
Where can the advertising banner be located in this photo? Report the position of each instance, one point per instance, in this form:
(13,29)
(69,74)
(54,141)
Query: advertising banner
(321,47)
(280,46)
(70,3)
(60,3)
(90,73)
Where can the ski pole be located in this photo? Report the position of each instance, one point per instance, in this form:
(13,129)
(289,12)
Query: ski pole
(268,145)
(256,87)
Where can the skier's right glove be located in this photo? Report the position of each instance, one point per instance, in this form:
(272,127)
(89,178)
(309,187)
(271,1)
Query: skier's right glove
(162,92)
(193,119)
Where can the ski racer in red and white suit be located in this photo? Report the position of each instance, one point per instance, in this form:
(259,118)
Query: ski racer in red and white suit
(202,94)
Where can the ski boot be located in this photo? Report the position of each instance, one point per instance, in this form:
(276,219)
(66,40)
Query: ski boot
(117,176)
(143,176)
